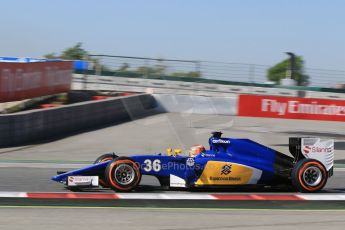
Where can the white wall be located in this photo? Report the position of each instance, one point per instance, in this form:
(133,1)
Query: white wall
(196,104)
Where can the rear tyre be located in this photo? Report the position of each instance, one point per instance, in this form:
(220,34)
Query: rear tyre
(309,175)
(100,159)
(122,174)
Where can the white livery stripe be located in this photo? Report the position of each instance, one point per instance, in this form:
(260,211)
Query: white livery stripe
(255,177)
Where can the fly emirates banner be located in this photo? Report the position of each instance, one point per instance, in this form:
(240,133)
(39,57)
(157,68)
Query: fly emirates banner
(291,107)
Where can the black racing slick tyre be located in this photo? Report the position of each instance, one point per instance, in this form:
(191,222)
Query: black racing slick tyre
(100,159)
(122,174)
(309,175)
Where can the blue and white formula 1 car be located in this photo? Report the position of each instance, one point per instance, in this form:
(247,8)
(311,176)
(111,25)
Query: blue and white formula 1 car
(227,163)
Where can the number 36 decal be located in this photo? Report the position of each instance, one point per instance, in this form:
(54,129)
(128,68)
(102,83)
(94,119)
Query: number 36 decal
(154,165)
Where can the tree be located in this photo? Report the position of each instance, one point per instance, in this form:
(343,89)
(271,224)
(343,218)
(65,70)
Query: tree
(123,68)
(160,67)
(192,74)
(51,56)
(144,70)
(278,71)
(75,52)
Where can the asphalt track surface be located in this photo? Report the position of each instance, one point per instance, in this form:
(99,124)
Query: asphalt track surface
(29,168)
(167,219)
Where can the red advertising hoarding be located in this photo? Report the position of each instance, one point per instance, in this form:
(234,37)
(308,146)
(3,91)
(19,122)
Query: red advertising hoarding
(291,107)
(19,81)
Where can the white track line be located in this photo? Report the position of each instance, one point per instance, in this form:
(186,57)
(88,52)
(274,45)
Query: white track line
(13,194)
(166,196)
(320,197)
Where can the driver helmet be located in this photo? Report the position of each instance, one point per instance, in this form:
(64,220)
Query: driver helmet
(196,150)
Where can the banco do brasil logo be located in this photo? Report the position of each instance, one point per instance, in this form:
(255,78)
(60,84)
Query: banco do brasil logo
(226,169)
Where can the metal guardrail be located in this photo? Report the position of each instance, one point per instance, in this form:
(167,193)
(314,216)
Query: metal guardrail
(94,82)
(234,72)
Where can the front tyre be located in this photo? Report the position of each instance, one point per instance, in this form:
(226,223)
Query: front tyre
(122,174)
(309,175)
(100,159)
(105,157)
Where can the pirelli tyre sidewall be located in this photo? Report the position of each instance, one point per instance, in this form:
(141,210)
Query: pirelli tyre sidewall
(300,174)
(100,159)
(105,157)
(122,174)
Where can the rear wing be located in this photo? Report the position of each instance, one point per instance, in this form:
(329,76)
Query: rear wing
(313,148)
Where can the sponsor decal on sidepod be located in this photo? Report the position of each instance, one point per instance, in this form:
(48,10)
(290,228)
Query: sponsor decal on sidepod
(220,173)
(226,169)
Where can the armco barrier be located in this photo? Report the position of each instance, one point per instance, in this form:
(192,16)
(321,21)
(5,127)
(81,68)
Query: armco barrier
(171,87)
(20,81)
(291,107)
(196,104)
(178,85)
(26,127)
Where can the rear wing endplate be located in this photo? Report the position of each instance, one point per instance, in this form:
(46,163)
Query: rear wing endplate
(313,148)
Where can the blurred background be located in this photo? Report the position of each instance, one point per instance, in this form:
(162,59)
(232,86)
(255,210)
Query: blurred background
(226,40)
(82,78)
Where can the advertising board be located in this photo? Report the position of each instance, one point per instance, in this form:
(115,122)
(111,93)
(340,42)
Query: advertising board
(291,107)
(19,81)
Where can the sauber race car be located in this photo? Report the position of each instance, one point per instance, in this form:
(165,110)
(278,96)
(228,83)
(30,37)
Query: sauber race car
(228,162)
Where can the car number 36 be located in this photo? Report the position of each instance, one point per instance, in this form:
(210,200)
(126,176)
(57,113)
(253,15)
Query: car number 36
(154,165)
